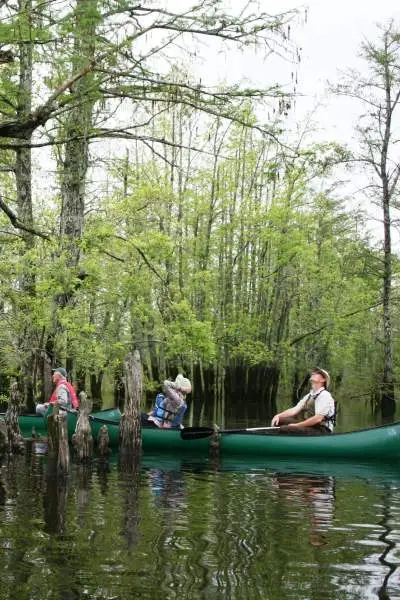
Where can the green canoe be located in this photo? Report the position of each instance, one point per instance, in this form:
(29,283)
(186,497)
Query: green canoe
(163,440)
(380,443)
(153,439)
(37,424)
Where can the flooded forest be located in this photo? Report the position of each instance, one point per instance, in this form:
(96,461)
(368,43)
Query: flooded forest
(145,208)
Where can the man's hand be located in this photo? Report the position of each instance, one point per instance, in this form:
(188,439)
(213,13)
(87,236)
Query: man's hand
(275,421)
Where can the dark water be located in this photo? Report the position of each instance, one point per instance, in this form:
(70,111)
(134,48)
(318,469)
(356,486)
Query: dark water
(184,528)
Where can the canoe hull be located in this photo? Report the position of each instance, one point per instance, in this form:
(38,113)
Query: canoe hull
(376,443)
(37,424)
(153,439)
(379,443)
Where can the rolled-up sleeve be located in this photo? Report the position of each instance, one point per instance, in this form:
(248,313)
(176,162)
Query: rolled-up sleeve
(325,405)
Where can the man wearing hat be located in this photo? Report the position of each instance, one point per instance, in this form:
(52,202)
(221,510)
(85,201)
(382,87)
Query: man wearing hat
(64,393)
(315,413)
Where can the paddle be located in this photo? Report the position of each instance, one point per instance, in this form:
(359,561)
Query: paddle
(91,417)
(197,433)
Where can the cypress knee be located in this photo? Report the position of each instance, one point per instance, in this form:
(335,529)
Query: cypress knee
(82,440)
(130,429)
(57,427)
(16,442)
(103,442)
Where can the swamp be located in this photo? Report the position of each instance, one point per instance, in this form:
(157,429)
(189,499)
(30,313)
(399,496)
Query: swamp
(183,526)
(172,189)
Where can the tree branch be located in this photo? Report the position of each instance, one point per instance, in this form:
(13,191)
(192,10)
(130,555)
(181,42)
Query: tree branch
(15,222)
(144,257)
(330,323)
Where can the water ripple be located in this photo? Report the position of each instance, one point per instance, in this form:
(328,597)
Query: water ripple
(191,530)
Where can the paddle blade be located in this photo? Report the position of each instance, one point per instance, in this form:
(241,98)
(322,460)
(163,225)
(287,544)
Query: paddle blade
(196,433)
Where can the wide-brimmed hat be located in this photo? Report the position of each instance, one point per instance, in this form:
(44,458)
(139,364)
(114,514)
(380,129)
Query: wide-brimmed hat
(60,370)
(324,374)
(183,383)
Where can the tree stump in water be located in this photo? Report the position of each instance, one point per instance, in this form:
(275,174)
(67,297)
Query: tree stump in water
(16,442)
(3,438)
(82,440)
(57,427)
(214,442)
(130,421)
(103,440)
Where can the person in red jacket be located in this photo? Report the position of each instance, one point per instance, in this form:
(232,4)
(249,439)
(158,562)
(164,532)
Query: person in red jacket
(64,393)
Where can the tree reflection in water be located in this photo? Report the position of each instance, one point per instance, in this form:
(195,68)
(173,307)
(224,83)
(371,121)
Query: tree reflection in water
(180,527)
(168,488)
(389,544)
(129,466)
(55,503)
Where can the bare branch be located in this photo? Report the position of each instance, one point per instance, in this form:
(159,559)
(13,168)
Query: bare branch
(144,257)
(17,223)
(330,323)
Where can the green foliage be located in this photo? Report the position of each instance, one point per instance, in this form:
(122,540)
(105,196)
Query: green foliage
(226,254)
(186,338)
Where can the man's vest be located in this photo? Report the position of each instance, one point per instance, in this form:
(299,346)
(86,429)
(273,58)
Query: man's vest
(162,412)
(72,397)
(309,411)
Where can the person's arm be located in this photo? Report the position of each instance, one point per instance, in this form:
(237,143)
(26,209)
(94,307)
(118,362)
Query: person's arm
(172,393)
(289,412)
(323,406)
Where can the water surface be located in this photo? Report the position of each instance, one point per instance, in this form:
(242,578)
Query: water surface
(186,528)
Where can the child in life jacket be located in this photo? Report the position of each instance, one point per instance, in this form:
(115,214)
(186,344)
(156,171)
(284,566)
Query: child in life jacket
(170,406)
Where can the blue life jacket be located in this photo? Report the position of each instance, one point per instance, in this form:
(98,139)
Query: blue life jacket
(161,412)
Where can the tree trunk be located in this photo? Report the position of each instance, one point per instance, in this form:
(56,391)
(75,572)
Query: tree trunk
(58,441)
(82,440)
(103,441)
(130,420)
(96,382)
(74,165)
(16,444)
(23,176)
(388,406)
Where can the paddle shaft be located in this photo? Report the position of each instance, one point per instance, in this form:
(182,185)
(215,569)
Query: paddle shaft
(196,433)
(252,429)
(92,417)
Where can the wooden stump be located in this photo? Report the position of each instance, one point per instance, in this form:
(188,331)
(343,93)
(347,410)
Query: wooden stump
(130,429)
(82,440)
(103,440)
(57,427)
(3,438)
(16,444)
(214,442)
